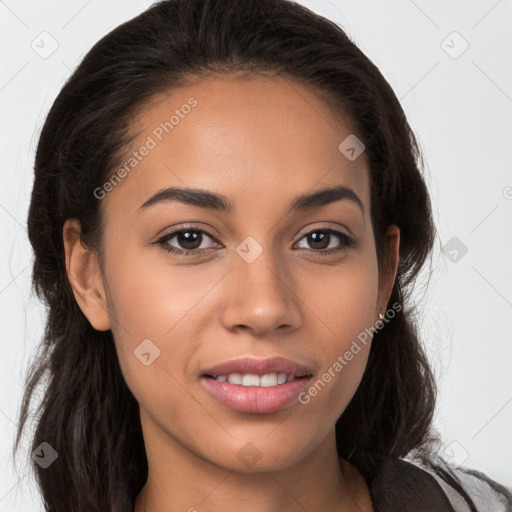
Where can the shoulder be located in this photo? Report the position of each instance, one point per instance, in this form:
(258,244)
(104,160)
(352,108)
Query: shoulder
(407,485)
(399,485)
(483,496)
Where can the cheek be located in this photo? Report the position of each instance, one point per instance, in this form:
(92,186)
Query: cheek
(346,306)
(344,357)
(150,310)
(148,297)
(151,306)
(344,297)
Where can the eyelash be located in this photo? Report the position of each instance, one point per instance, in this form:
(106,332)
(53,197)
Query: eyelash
(347,242)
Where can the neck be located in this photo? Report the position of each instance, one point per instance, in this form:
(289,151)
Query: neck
(179,480)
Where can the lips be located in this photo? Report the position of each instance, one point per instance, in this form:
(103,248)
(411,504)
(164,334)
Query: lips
(256,385)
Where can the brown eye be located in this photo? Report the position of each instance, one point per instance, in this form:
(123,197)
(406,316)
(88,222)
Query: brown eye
(321,239)
(186,241)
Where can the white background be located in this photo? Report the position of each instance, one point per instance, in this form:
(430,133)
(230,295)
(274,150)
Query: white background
(461,110)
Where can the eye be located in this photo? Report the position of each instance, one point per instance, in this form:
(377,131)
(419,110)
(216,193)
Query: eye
(187,240)
(321,239)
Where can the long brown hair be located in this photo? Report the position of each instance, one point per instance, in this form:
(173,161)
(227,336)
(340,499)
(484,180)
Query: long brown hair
(87,413)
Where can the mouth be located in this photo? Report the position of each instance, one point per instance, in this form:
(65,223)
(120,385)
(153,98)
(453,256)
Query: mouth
(257,385)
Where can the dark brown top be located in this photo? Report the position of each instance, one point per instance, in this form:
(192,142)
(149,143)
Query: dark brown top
(400,486)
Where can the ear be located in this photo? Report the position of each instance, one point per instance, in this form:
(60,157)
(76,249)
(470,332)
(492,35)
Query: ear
(84,276)
(387,274)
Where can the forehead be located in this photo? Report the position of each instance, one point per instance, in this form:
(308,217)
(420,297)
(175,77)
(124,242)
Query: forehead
(269,136)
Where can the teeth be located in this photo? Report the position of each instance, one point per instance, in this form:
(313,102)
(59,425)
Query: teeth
(235,378)
(270,379)
(249,379)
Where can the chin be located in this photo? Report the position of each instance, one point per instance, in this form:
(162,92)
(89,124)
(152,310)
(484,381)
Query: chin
(254,457)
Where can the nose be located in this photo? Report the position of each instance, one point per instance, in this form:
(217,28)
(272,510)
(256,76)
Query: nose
(262,296)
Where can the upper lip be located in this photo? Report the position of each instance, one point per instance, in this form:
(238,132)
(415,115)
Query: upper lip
(258,367)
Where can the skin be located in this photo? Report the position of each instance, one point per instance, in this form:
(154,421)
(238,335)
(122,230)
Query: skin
(259,141)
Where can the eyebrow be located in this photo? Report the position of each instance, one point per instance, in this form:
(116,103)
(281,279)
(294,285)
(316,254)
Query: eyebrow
(218,202)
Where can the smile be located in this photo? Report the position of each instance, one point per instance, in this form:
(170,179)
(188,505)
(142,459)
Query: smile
(257,385)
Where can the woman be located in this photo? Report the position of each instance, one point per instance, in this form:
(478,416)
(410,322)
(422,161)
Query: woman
(227,218)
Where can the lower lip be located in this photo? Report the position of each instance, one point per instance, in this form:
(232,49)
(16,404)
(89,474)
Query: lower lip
(256,399)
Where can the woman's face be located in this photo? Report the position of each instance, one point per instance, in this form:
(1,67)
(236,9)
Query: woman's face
(254,283)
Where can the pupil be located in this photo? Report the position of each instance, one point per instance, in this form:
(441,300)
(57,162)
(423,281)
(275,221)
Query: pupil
(188,239)
(318,237)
